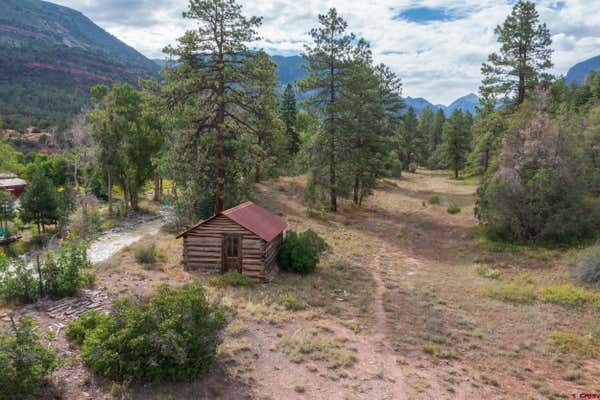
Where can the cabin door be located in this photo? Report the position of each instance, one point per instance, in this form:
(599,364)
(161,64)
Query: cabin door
(232,253)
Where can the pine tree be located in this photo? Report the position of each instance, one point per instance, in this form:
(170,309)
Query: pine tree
(410,143)
(457,141)
(269,132)
(363,118)
(211,95)
(426,133)
(326,61)
(289,113)
(40,202)
(438,126)
(487,131)
(524,54)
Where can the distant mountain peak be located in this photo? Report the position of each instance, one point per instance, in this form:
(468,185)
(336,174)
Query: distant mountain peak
(465,103)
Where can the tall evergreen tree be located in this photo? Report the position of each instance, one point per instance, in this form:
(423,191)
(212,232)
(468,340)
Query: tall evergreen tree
(363,118)
(410,144)
(210,92)
(40,202)
(266,124)
(289,113)
(426,133)
(487,132)
(390,91)
(326,61)
(524,54)
(457,141)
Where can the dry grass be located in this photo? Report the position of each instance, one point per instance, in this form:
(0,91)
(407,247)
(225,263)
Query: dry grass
(300,347)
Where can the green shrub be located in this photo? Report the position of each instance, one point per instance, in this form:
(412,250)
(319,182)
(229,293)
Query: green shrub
(453,208)
(587,267)
(541,209)
(291,302)
(24,362)
(572,343)
(595,335)
(430,348)
(567,294)
(490,273)
(412,167)
(17,283)
(64,273)
(434,199)
(146,254)
(300,253)
(510,292)
(85,222)
(231,278)
(78,328)
(171,336)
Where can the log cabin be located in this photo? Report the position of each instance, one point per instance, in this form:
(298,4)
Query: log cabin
(245,238)
(11,183)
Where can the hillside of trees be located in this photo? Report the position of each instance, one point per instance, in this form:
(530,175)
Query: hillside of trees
(52,56)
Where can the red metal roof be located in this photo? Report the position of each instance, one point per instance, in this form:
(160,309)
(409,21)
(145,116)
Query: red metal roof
(257,220)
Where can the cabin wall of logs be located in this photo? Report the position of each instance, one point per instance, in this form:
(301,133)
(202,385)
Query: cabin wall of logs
(203,249)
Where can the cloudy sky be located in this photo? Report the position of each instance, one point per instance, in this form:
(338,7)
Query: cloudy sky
(436,46)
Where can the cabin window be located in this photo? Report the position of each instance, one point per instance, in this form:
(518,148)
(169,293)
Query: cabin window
(232,246)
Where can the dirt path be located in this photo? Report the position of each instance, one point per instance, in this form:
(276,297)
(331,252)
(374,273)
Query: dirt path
(396,388)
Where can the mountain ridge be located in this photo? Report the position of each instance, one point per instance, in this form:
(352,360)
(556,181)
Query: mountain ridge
(468,102)
(578,72)
(52,56)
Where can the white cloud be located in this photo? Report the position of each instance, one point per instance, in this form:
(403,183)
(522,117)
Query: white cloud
(439,60)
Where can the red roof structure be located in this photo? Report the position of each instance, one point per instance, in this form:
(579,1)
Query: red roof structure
(256,219)
(14,185)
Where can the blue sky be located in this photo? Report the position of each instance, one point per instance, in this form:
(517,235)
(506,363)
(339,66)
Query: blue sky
(435,46)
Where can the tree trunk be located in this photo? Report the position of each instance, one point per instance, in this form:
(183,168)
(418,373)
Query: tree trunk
(220,188)
(133,199)
(486,160)
(355,198)
(39,271)
(456,173)
(157,192)
(125,197)
(521,94)
(332,161)
(161,188)
(75,177)
(109,193)
(257,168)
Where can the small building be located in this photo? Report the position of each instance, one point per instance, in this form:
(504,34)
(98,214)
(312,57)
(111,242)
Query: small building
(11,183)
(245,238)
